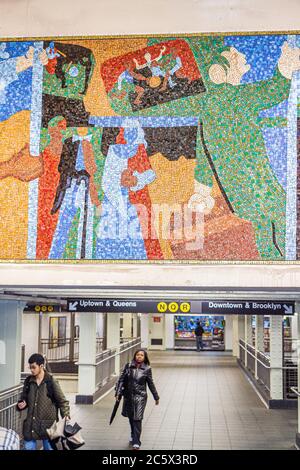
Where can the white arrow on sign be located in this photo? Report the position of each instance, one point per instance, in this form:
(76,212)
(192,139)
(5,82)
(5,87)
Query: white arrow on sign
(72,306)
(288,309)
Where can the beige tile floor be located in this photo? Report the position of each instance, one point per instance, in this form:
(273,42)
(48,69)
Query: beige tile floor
(206,403)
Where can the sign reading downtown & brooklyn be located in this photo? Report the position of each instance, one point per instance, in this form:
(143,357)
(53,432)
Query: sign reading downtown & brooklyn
(180,307)
(257,307)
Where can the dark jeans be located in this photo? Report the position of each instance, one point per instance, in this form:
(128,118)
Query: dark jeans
(32,445)
(199,342)
(136,429)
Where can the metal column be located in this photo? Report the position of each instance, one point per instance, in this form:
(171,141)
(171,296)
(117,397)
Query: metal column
(298,355)
(259,338)
(240,331)
(10,343)
(87,358)
(248,334)
(127,322)
(72,336)
(113,336)
(235,336)
(276,353)
(134,325)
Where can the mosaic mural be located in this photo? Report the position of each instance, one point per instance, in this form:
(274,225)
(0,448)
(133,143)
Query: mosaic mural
(150,148)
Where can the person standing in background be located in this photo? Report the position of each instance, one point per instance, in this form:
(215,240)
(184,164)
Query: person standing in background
(199,333)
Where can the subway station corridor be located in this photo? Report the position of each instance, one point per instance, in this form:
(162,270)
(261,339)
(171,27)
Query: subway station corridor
(206,402)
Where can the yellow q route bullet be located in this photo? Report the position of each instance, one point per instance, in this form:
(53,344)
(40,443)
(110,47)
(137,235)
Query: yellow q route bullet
(173,307)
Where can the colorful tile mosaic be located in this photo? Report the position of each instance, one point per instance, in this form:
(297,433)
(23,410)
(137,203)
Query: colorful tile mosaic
(150,148)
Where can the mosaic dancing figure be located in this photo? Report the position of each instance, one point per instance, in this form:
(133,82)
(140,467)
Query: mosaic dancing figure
(123,232)
(76,191)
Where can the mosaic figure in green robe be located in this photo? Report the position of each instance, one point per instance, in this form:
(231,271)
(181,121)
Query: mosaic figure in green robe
(230,143)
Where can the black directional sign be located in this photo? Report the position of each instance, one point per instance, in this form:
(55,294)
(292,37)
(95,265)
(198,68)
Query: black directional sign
(41,308)
(129,305)
(179,307)
(251,307)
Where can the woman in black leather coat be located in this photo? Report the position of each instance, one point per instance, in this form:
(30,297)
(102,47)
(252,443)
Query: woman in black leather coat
(132,385)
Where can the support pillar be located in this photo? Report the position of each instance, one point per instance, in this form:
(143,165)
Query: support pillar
(228,335)
(248,334)
(105,331)
(135,325)
(276,376)
(127,324)
(241,330)
(40,347)
(138,325)
(145,330)
(10,343)
(248,329)
(113,337)
(87,359)
(298,356)
(235,336)
(259,338)
(169,331)
(238,332)
(72,335)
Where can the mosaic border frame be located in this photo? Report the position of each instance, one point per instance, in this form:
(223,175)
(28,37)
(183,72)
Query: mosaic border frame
(151,262)
(146,35)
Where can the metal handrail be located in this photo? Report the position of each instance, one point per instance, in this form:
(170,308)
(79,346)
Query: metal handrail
(268,359)
(137,341)
(253,355)
(76,339)
(10,390)
(117,353)
(9,416)
(51,340)
(286,338)
(126,339)
(108,357)
(295,390)
(261,352)
(97,363)
(13,405)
